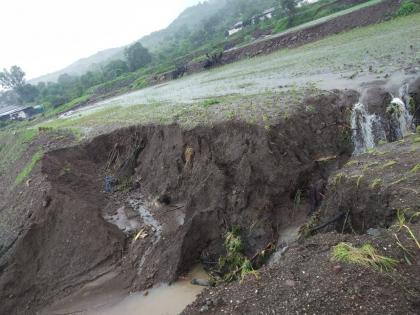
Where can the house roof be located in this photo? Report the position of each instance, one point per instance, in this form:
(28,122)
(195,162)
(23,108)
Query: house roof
(8,110)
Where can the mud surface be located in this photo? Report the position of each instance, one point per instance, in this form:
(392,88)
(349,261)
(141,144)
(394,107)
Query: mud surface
(374,185)
(306,281)
(150,202)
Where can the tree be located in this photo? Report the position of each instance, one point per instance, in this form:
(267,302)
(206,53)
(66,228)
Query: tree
(114,69)
(27,92)
(137,56)
(13,79)
(289,7)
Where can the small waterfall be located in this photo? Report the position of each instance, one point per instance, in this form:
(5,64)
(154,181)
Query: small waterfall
(400,118)
(406,119)
(368,129)
(362,124)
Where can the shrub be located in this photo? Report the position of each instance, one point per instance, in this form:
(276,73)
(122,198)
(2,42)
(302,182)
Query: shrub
(407,8)
(235,265)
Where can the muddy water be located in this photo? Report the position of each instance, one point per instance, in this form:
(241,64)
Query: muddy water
(161,300)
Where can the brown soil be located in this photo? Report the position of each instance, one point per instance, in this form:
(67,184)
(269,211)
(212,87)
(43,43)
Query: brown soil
(196,184)
(306,281)
(373,186)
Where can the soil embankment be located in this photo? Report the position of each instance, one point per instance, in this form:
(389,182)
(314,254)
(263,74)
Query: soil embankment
(368,191)
(150,202)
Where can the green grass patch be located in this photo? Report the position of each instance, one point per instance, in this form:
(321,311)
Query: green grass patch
(366,256)
(70,105)
(210,102)
(14,144)
(408,7)
(29,167)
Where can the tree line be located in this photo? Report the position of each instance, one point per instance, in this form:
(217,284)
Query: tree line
(18,91)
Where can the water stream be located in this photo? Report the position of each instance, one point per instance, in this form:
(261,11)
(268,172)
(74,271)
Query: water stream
(163,299)
(368,129)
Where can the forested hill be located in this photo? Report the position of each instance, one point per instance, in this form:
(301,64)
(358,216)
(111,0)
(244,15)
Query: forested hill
(83,65)
(196,24)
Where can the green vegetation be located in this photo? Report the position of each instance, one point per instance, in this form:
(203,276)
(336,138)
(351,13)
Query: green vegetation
(209,102)
(366,256)
(198,34)
(14,144)
(234,265)
(29,167)
(408,7)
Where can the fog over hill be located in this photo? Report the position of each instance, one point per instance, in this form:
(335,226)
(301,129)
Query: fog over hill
(216,14)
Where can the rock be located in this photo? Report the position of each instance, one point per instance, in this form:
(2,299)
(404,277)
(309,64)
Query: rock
(290,283)
(202,282)
(337,268)
(373,232)
(204,308)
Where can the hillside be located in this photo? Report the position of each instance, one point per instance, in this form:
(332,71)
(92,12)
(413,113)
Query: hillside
(83,65)
(218,14)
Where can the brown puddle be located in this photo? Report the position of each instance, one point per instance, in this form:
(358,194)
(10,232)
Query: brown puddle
(163,299)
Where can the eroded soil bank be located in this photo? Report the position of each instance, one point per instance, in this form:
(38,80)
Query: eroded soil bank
(368,191)
(149,202)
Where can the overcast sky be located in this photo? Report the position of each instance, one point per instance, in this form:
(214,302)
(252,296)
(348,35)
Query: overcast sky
(43,36)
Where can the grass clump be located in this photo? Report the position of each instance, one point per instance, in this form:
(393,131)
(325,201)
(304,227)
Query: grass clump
(210,102)
(235,265)
(366,256)
(29,167)
(389,164)
(351,163)
(415,169)
(376,183)
(402,224)
(408,7)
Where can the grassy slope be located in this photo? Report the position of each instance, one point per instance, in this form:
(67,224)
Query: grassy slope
(384,46)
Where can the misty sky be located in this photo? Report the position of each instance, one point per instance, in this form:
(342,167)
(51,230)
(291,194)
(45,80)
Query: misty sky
(43,36)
